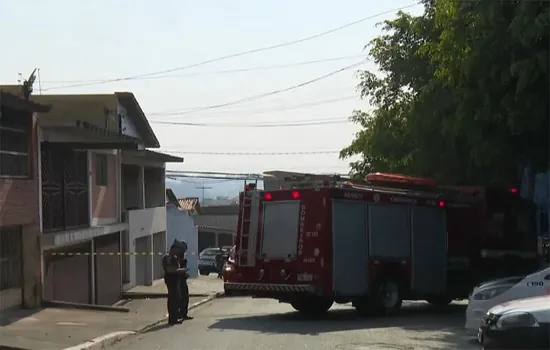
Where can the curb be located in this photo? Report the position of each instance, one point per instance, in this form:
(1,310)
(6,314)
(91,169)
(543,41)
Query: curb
(139,295)
(107,340)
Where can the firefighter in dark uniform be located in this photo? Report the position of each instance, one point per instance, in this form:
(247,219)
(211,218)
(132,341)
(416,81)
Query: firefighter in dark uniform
(172,273)
(183,287)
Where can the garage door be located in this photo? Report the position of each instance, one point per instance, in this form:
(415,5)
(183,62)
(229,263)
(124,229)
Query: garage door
(67,275)
(142,271)
(108,273)
(10,267)
(159,244)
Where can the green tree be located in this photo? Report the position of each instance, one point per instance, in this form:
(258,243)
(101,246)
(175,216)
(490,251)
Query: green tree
(462,94)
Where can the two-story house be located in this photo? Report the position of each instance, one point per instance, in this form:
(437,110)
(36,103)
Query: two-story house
(19,192)
(102,208)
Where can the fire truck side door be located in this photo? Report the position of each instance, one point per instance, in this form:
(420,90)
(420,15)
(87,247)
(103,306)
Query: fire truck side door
(429,250)
(349,247)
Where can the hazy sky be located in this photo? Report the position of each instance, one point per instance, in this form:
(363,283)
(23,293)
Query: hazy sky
(75,41)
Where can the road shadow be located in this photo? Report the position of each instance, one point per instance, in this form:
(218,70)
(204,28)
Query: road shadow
(418,317)
(11,316)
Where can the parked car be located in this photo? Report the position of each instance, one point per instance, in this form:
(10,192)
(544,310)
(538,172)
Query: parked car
(489,294)
(519,324)
(207,260)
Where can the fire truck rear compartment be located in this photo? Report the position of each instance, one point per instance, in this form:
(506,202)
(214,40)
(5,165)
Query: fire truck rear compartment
(407,244)
(279,237)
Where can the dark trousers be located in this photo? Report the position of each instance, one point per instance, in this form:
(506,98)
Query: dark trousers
(173,302)
(183,297)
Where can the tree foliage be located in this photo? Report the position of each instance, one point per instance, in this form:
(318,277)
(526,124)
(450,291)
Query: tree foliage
(462,93)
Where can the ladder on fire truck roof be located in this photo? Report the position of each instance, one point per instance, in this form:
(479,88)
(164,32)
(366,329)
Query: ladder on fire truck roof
(250,206)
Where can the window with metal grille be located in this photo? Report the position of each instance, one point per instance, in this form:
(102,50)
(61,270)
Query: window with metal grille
(10,258)
(101,170)
(15,127)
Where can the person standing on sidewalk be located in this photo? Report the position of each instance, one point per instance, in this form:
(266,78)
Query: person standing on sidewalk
(183,287)
(172,272)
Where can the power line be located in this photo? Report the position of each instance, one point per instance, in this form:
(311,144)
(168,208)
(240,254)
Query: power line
(265,48)
(224,71)
(250,125)
(261,110)
(253,153)
(271,93)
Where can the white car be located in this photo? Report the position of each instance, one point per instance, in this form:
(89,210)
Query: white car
(519,324)
(490,294)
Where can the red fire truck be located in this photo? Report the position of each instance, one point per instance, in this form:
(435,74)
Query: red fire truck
(312,240)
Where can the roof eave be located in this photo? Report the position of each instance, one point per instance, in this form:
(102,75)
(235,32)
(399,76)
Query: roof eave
(149,137)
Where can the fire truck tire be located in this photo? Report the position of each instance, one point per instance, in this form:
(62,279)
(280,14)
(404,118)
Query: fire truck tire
(312,305)
(384,299)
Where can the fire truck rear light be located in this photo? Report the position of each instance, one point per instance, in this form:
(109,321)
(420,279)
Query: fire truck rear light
(441,204)
(295,194)
(268,196)
(514,190)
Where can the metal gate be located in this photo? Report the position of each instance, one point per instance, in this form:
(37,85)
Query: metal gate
(64,188)
(11,273)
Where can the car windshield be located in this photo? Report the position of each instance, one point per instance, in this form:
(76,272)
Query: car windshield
(210,252)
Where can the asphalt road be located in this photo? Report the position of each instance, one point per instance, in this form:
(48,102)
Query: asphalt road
(251,324)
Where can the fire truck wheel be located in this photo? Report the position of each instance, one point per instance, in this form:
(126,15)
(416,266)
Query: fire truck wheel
(383,299)
(312,305)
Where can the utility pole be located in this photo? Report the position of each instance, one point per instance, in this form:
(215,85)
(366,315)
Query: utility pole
(202,187)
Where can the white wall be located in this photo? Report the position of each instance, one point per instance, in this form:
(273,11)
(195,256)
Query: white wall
(146,222)
(142,223)
(128,128)
(182,226)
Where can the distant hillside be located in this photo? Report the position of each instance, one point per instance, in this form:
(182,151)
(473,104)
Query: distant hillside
(216,188)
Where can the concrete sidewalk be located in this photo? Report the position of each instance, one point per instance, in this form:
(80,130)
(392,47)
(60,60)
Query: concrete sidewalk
(61,328)
(200,286)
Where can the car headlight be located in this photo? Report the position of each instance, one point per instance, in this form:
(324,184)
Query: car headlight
(519,319)
(490,293)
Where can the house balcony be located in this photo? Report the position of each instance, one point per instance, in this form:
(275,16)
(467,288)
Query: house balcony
(145,222)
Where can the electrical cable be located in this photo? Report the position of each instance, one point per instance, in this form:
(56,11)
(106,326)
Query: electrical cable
(265,48)
(255,125)
(204,73)
(256,111)
(252,153)
(271,93)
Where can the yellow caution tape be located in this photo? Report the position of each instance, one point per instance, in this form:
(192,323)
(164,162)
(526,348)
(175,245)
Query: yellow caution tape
(107,253)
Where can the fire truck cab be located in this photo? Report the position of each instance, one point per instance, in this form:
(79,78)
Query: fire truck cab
(312,240)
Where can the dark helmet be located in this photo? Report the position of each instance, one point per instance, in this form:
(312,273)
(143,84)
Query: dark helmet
(177,244)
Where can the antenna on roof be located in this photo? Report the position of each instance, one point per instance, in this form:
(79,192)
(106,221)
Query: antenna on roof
(27,84)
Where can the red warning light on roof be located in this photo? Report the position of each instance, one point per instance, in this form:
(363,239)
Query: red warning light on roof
(514,190)
(295,194)
(268,196)
(441,204)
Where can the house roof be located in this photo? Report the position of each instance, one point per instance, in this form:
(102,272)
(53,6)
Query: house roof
(129,102)
(152,155)
(87,107)
(183,204)
(12,96)
(190,204)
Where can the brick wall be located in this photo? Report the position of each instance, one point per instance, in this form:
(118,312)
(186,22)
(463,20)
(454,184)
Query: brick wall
(104,197)
(19,205)
(19,198)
